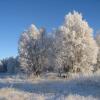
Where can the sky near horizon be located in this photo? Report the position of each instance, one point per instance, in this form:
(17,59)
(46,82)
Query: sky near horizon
(17,15)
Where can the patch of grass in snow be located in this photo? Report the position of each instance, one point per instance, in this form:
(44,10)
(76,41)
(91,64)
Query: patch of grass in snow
(78,97)
(13,94)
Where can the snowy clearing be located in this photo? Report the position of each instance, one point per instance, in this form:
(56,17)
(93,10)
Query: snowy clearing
(79,88)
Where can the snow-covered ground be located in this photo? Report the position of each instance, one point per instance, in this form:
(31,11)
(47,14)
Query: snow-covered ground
(48,87)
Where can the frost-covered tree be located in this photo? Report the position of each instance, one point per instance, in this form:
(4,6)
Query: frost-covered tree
(97,38)
(13,65)
(4,62)
(43,42)
(32,50)
(50,53)
(75,47)
(1,66)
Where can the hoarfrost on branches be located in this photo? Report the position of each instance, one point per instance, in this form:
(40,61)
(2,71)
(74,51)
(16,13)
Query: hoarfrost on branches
(32,50)
(76,49)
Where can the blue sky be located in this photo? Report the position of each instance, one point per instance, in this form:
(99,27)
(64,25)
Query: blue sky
(17,15)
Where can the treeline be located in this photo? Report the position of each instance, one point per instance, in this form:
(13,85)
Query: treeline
(69,48)
(10,65)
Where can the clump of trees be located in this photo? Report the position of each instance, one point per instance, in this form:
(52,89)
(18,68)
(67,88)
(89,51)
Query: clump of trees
(70,48)
(10,65)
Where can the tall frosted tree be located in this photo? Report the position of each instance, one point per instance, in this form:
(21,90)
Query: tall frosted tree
(97,38)
(32,50)
(75,48)
(50,52)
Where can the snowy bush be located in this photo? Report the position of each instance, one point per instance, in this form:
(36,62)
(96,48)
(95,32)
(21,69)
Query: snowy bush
(75,48)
